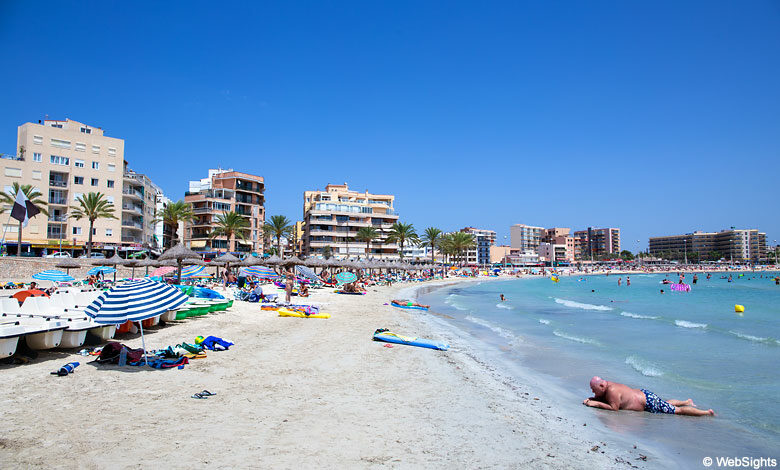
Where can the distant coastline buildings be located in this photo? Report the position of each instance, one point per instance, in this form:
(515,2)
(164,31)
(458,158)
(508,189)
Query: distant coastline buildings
(333,217)
(739,245)
(531,244)
(483,240)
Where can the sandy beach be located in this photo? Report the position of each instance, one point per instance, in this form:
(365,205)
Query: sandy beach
(291,393)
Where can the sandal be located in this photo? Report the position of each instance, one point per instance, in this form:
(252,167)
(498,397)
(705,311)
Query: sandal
(199,396)
(206,393)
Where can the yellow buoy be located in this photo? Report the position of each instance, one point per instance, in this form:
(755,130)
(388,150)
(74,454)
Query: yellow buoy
(739,308)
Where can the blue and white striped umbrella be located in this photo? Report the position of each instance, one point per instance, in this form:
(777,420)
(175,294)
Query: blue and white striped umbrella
(52,275)
(101,269)
(307,273)
(134,301)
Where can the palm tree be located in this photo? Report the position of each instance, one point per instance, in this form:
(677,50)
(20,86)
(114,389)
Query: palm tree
(229,224)
(462,242)
(402,233)
(446,245)
(172,214)
(278,227)
(431,238)
(92,206)
(33,195)
(367,234)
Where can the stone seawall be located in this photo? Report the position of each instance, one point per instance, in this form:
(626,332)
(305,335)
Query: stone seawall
(21,269)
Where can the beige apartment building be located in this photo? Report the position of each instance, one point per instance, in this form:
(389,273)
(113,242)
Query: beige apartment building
(596,242)
(63,160)
(333,217)
(224,191)
(525,238)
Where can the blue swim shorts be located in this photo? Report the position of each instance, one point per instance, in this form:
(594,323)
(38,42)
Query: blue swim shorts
(654,404)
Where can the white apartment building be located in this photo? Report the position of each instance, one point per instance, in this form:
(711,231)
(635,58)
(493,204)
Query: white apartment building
(483,240)
(525,238)
(64,160)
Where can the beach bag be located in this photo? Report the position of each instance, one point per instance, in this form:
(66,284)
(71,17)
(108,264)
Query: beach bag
(111,352)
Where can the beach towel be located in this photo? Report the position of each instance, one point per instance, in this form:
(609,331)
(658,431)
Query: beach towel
(216,344)
(111,352)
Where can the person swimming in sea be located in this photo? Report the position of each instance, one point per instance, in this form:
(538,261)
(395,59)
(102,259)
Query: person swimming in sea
(620,281)
(628,280)
(502,297)
(615,396)
(695,278)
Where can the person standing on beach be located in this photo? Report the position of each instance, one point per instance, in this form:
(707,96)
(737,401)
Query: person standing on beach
(288,287)
(615,396)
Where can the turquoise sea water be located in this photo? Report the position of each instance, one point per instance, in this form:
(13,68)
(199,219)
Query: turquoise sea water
(678,344)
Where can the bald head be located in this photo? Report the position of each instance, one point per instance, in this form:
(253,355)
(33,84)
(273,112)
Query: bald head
(598,385)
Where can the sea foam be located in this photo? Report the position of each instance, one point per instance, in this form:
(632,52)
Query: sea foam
(755,339)
(504,306)
(636,315)
(496,329)
(544,322)
(573,304)
(576,338)
(689,324)
(644,367)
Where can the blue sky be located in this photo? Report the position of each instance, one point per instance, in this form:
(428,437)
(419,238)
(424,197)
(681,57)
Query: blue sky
(656,117)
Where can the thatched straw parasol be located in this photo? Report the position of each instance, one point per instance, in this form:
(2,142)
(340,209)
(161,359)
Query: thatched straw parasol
(67,264)
(179,253)
(113,261)
(146,262)
(273,260)
(131,263)
(294,261)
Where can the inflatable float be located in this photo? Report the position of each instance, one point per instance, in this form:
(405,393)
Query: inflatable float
(409,307)
(390,337)
(349,293)
(284,312)
(681,287)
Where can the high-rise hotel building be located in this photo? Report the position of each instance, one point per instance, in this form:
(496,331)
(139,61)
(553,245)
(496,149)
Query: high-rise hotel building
(333,217)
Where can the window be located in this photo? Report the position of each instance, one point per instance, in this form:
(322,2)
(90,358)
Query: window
(80,147)
(86,130)
(63,144)
(38,139)
(76,230)
(96,149)
(13,172)
(94,231)
(112,151)
(110,199)
(94,181)
(111,167)
(95,165)
(57,125)
(109,232)
(110,183)
(58,160)
(37,157)
(36,175)
(78,180)
(78,163)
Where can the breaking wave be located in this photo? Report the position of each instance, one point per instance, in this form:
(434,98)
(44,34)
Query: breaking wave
(573,304)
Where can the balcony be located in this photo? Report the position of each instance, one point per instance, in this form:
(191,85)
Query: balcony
(132,240)
(61,201)
(132,224)
(133,193)
(134,209)
(58,183)
(203,210)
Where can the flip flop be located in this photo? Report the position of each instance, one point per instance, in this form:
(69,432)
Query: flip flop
(207,393)
(199,396)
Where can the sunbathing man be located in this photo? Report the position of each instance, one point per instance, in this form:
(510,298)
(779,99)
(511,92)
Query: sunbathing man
(614,396)
(408,303)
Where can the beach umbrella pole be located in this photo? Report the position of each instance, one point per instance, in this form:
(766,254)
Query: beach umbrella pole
(143,342)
